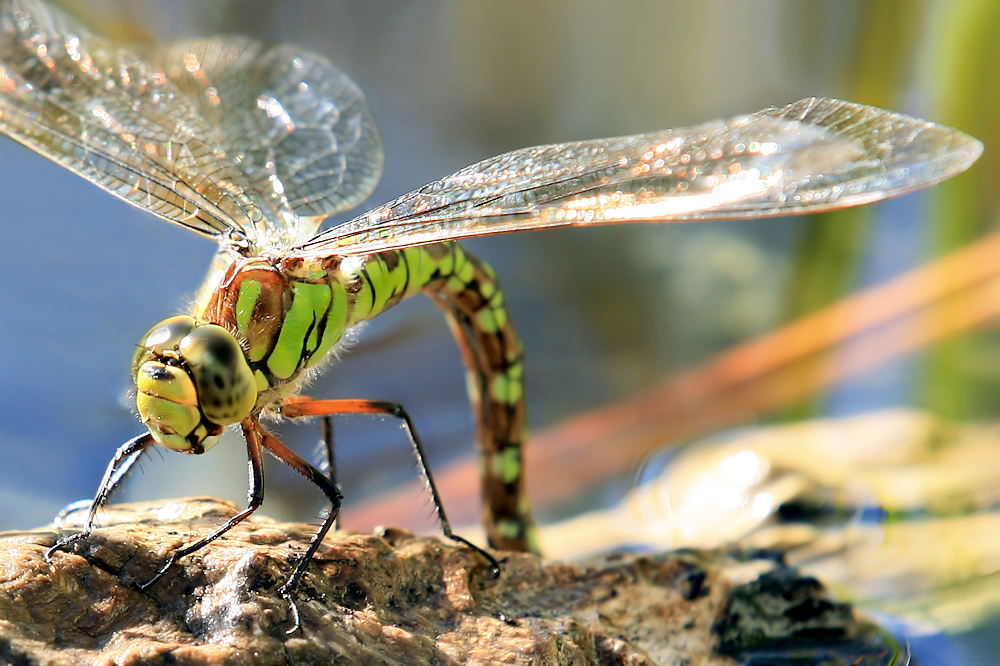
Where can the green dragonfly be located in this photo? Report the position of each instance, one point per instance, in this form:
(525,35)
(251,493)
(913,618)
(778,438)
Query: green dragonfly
(254,146)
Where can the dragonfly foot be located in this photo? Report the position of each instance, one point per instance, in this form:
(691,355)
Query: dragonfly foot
(285,592)
(61,544)
(494,563)
(159,574)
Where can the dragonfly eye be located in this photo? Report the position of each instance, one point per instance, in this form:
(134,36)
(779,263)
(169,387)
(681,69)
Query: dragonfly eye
(163,337)
(227,391)
(192,381)
(168,404)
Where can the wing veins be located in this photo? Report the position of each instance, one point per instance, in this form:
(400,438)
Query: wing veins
(813,155)
(142,172)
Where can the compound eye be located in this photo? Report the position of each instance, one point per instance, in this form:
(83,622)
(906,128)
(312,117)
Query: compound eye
(163,337)
(167,403)
(227,391)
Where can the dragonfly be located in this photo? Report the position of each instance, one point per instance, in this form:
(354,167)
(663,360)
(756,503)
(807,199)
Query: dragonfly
(253,146)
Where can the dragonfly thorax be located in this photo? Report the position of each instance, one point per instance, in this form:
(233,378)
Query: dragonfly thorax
(192,381)
(287,313)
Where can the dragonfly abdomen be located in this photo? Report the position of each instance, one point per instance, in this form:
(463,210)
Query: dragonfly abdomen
(468,292)
(290,311)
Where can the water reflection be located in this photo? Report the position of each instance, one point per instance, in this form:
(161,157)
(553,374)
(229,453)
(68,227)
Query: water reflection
(896,510)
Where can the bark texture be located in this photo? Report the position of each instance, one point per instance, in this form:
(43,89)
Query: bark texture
(394,598)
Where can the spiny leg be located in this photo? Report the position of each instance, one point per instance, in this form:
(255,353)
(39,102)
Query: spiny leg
(125,457)
(255,496)
(112,480)
(303,406)
(326,443)
(293,460)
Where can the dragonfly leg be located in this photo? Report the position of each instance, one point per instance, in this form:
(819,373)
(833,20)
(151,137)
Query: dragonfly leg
(293,460)
(302,406)
(326,443)
(119,467)
(255,497)
(125,457)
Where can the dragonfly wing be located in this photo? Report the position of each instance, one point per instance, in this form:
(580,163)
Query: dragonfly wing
(299,127)
(105,114)
(813,155)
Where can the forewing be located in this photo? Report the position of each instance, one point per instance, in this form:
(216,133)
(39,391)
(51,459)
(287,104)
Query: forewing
(299,127)
(102,112)
(813,155)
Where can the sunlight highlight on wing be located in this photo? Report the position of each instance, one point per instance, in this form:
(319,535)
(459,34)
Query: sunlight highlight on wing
(810,156)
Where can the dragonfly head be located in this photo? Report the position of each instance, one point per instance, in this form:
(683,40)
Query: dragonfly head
(192,381)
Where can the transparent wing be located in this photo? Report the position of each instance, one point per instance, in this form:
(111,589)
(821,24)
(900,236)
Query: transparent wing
(105,114)
(300,129)
(813,155)
(217,135)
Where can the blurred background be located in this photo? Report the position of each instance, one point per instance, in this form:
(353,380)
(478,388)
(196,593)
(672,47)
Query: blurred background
(618,322)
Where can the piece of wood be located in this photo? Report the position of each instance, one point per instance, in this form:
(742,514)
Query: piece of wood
(391,598)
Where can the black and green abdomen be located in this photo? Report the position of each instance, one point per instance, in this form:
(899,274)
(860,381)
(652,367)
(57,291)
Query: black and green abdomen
(466,289)
(291,311)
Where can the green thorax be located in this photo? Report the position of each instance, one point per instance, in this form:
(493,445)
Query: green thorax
(289,311)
